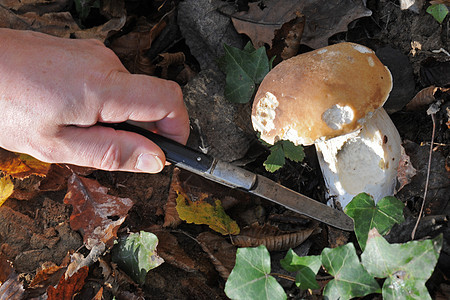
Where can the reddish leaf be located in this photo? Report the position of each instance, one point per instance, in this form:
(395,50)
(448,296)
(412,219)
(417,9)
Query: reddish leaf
(67,288)
(95,213)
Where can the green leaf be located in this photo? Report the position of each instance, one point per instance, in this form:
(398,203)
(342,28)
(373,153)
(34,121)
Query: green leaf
(244,69)
(275,160)
(281,150)
(350,278)
(306,268)
(136,255)
(438,11)
(406,266)
(250,277)
(366,215)
(293,152)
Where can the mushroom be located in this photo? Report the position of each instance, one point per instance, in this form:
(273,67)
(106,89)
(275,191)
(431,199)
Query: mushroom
(332,97)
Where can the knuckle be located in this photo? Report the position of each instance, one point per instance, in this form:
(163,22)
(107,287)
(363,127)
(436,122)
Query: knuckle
(110,160)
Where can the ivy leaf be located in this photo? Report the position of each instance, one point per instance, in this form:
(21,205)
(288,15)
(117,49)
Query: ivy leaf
(250,278)
(281,150)
(350,278)
(136,255)
(306,268)
(275,160)
(6,188)
(203,212)
(366,215)
(438,11)
(406,266)
(244,69)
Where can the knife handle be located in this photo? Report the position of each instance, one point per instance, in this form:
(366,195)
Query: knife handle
(176,153)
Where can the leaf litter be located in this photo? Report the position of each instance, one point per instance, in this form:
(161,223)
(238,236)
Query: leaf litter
(316,31)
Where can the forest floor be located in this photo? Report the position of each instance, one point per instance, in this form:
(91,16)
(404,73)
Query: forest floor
(36,229)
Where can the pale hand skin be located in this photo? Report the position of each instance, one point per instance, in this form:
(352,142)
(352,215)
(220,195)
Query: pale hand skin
(53,91)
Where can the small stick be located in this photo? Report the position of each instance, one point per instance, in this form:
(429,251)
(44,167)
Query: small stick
(428,176)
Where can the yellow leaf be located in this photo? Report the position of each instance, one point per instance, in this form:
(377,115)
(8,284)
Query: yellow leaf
(202,212)
(21,165)
(6,188)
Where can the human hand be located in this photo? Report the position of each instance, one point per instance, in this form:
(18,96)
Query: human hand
(53,91)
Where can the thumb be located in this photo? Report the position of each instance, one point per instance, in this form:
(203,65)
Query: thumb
(108,149)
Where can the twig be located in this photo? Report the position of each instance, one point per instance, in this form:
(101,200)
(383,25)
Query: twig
(428,176)
(287,277)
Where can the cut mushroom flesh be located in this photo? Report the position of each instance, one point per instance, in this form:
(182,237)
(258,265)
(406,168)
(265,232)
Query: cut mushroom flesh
(362,161)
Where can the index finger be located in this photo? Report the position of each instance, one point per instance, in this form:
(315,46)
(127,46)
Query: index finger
(144,98)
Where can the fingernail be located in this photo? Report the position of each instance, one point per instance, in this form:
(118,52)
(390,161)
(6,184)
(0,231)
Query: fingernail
(149,163)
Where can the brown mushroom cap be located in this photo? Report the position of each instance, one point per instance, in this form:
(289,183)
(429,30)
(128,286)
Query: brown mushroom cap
(320,94)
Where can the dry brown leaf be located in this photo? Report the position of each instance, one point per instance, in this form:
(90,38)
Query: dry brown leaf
(115,278)
(38,6)
(170,250)
(405,171)
(171,218)
(59,24)
(424,97)
(221,253)
(132,47)
(68,287)
(170,59)
(324,18)
(260,24)
(102,32)
(95,213)
(273,238)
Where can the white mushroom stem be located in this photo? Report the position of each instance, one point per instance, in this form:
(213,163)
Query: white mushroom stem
(362,161)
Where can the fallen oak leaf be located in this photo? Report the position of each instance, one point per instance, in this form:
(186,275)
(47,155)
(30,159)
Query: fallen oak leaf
(95,213)
(68,287)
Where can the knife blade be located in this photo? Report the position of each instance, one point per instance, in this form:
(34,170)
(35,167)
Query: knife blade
(238,178)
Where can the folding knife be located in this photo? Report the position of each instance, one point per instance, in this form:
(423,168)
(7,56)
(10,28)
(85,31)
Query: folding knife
(239,178)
